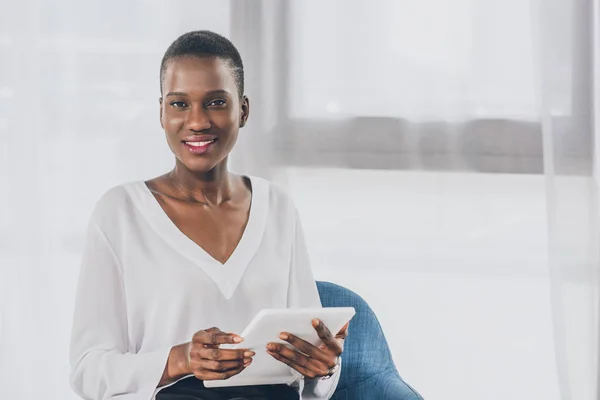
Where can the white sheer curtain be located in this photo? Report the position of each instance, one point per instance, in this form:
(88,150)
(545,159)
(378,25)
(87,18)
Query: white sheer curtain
(572,201)
(441,153)
(79,93)
(400,93)
(425,60)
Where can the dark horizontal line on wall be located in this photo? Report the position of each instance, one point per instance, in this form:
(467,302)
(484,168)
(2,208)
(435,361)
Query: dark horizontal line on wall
(492,145)
(404,161)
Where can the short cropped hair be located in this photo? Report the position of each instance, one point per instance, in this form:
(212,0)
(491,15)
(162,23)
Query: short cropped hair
(205,44)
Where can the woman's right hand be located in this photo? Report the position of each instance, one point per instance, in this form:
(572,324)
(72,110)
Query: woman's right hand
(203,358)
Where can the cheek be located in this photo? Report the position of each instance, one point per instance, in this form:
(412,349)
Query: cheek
(172,122)
(223,120)
(232,123)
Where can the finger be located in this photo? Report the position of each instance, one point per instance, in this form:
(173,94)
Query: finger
(291,354)
(308,349)
(325,334)
(298,359)
(215,376)
(219,366)
(213,330)
(222,366)
(304,371)
(220,354)
(343,333)
(213,336)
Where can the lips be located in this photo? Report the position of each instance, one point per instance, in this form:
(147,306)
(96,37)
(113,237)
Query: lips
(199,144)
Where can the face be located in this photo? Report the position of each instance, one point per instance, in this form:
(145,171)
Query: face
(201,111)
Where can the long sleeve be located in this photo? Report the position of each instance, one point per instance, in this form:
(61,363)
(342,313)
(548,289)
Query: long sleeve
(303,293)
(102,365)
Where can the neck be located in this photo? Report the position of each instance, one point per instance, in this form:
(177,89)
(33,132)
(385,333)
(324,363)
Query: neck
(212,187)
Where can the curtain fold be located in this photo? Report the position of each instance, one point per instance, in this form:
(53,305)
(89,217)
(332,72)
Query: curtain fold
(572,201)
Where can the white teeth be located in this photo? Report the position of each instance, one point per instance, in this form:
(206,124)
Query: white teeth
(199,144)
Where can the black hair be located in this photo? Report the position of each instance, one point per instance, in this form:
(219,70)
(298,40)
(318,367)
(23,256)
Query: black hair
(206,44)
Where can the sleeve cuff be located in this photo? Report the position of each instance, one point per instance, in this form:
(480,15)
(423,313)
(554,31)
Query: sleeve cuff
(321,388)
(153,364)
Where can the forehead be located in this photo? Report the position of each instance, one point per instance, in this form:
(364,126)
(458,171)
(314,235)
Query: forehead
(198,74)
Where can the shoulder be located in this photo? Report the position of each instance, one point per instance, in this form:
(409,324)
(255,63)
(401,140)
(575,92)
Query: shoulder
(277,196)
(114,202)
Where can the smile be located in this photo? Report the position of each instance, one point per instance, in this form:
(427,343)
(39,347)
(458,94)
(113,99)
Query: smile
(197,147)
(199,144)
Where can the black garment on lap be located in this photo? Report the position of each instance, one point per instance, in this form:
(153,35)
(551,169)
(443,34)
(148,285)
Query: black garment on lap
(193,389)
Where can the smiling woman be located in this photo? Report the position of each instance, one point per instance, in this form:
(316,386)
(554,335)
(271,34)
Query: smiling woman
(202,111)
(175,265)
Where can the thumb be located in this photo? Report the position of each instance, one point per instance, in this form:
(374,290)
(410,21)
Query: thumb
(343,332)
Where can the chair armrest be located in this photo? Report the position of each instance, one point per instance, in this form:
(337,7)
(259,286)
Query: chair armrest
(386,385)
(394,388)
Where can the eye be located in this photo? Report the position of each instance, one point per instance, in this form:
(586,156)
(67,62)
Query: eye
(178,104)
(217,103)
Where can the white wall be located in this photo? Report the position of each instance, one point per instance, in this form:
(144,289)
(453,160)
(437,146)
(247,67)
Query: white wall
(454,265)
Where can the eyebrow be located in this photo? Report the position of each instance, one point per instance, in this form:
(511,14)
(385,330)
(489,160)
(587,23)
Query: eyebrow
(217,91)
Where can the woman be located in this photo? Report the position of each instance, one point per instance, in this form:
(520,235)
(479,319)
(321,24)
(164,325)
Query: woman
(174,266)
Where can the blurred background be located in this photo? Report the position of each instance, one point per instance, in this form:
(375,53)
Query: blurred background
(442,154)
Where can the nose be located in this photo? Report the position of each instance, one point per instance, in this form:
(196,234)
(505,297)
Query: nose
(198,120)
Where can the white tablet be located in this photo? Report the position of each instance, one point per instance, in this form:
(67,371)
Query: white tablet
(265,327)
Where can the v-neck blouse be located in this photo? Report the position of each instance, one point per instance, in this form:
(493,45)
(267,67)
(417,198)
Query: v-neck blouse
(225,276)
(144,286)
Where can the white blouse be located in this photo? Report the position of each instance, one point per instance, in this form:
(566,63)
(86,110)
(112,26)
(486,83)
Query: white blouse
(144,287)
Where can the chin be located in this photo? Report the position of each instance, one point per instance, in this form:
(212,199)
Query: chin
(199,164)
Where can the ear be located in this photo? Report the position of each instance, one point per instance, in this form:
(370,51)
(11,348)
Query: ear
(160,102)
(244,111)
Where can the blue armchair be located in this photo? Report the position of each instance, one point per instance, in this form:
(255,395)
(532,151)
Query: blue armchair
(368,372)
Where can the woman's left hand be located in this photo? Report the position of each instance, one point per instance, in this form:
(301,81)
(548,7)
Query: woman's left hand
(309,360)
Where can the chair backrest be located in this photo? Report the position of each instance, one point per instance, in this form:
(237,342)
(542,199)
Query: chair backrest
(366,352)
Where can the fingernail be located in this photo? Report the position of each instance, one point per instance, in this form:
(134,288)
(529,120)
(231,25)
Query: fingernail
(247,361)
(249,354)
(315,322)
(238,339)
(271,346)
(283,336)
